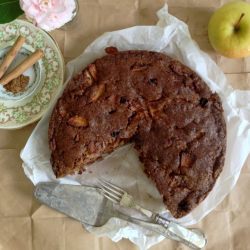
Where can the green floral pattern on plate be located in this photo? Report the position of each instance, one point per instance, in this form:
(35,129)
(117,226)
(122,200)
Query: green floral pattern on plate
(19,116)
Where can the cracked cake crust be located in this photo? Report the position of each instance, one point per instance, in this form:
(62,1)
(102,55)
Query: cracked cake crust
(148,98)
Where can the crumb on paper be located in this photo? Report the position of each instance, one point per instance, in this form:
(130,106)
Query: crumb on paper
(18,84)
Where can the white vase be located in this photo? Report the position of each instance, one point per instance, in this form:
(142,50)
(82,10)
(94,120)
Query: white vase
(74,15)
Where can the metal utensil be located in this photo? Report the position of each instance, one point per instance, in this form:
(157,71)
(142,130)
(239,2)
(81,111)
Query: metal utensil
(83,203)
(88,205)
(193,238)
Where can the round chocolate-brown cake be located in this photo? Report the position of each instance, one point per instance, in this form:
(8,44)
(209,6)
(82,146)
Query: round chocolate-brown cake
(174,120)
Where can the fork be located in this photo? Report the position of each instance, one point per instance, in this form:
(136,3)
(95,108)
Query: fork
(193,238)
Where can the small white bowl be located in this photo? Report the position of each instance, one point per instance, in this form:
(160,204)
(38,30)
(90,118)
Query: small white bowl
(36,75)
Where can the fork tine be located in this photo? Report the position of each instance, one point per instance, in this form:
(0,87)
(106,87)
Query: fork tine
(121,191)
(109,198)
(109,190)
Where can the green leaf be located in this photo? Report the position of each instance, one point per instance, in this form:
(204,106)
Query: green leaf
(9,10)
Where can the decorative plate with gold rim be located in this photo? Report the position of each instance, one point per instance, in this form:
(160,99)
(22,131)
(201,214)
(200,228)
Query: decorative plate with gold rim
(45,77)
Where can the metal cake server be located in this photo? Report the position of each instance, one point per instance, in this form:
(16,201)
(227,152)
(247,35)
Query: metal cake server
(88,205)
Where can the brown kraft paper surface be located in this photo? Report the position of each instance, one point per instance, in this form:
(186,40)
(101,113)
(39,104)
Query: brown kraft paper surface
(26,224)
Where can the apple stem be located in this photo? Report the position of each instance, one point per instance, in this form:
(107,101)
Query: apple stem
(237,25)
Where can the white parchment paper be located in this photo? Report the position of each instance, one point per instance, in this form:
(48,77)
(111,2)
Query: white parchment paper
(170,36)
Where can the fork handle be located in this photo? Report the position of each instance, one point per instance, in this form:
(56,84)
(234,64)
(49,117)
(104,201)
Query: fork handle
(146,212)
(193,238)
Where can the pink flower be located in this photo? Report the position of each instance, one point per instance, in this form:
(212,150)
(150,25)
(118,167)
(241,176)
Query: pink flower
(49,14)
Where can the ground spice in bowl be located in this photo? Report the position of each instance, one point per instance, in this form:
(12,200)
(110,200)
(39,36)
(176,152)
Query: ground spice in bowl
(18,84)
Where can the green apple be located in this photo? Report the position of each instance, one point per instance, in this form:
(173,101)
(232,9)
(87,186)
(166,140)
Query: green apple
(229,29)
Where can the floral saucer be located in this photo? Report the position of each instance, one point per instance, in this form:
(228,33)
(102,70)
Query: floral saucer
(46,76)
